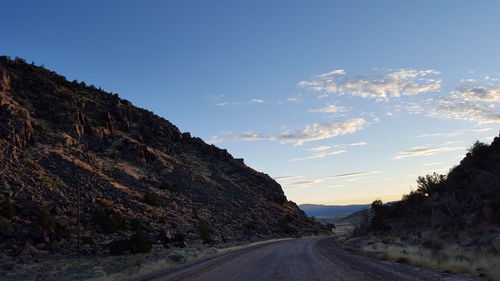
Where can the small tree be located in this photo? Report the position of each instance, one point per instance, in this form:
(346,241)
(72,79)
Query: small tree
(430,184)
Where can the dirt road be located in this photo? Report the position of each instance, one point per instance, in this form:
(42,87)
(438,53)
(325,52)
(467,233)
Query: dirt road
(299,259)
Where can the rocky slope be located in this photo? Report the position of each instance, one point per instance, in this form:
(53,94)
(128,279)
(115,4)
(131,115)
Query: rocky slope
(134,169)
(465,198)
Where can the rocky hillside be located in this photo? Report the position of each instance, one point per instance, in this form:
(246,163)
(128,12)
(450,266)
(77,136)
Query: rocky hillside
(468,197)
(134,170)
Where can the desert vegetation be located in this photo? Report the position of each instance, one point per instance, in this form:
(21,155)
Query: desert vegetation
(448,222)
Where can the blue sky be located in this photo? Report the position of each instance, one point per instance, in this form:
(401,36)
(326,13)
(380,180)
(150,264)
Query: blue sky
(341,101)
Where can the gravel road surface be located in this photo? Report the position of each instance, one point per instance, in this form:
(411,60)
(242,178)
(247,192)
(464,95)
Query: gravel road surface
(299,259)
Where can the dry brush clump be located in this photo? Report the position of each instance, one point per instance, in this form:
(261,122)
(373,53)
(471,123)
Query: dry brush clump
(431,252)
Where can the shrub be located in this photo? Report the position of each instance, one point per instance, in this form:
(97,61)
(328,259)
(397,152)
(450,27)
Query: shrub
(430,184)
(179,237)
(7,209)
(205,231)
(167,185)
(88,240)
(136,225)
(109,223)
(45,220)
(178,256)
(140,243)
(152,199)
(478,149)
(119,247)
(289,218)
(4,224)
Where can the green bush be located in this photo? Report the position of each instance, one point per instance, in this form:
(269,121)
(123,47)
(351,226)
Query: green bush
(140,243)
(7,209)
(152,199)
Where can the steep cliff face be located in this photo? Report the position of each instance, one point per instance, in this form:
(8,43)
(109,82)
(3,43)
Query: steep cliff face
(58,137)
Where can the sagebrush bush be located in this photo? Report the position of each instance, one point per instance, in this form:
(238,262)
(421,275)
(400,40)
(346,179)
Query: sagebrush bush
(7,209)
(152,199)
(45,220)
(205,231)
(4,224)
(109,222)
(179,237)
(140,243)
(167,185)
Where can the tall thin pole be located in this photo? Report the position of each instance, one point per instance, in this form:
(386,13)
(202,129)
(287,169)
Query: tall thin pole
(78,221)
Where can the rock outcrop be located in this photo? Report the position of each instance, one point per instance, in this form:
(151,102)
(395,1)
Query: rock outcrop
(129,166)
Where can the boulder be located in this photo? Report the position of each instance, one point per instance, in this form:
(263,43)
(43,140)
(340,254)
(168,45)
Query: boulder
(165,235)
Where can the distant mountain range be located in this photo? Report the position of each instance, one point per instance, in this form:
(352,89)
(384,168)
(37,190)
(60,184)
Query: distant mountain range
(313,210)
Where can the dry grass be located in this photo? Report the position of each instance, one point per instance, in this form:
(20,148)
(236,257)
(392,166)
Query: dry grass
(438,254)
(111,268)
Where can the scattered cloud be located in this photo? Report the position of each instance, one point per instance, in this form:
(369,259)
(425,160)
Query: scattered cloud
(463,110)
(380,87)
(222,104)
(358,143)
(456,133)
(257,101)
(321,154)
(480,94)
(334,72)
(294,100)
(248,137)
(329,109)
(320,131)
(313,132)
(431,164)
(319,148)
(424,151)
(306,183)
(284,178)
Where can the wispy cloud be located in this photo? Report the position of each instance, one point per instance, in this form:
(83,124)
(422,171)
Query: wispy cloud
(361,143)
(319,148)
(405,82)
(319,155)
(294,100)
(313,132)
(431,164)
(331,108)
(285,178)
(306,183)
(320,131)
(424,151)
(463,110)
(257,101)
(249,137)
(456,133)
